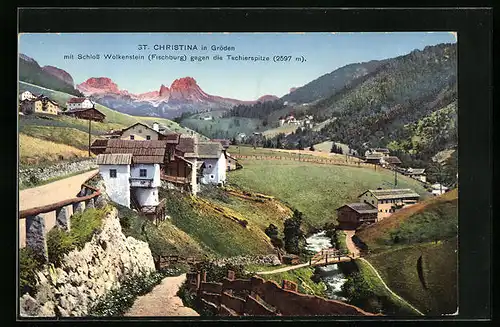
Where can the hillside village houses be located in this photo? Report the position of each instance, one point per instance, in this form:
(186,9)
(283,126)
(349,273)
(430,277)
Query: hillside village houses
(26,95)
(79,103)
(39,104)
(373,206)
(180,161)
(416,173)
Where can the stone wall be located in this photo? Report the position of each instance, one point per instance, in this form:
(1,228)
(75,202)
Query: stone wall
(41,174)
(88,274)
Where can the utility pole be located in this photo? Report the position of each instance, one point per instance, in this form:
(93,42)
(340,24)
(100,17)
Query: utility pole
(90,121)
(395,177)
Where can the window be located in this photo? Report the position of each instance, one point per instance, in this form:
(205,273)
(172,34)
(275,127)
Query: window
(212,176)
(148,137)
(131,137)
(373,202)
(112,173)
(140,131)
(143,173)
(209,166)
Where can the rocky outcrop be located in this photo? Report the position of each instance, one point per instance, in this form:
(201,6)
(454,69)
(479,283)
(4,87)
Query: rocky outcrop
(40,174)
(88,274)
(60,74)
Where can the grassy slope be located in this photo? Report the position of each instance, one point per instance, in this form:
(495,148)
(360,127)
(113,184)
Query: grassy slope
(377,235)
(216,234)
(209,127)
(286,129)
(34,150)
(302,277)
(315,189)
(398,268)
(395,305)
(420,225)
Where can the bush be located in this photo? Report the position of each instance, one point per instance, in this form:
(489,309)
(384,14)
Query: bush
(59,243)
(83,227)
(217,273)
(119,300)
(29,264)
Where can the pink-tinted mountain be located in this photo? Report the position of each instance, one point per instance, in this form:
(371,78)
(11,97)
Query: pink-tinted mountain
(183,95)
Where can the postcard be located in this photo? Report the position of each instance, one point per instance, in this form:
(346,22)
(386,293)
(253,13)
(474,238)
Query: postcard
(238,174)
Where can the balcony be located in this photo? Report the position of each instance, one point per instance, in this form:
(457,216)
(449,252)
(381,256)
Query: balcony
(141,182)
(176,179)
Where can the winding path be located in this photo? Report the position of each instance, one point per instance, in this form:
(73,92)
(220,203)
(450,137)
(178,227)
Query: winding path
(162,301)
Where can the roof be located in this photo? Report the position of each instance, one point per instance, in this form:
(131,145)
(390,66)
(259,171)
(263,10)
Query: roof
(76,100)
(415,171)
(146,126)
(392,160)
(393,193)
(381,150)
(374,156)
(78,110)
(209,150)
(143,151)
(114,159)
(361,207)
(225,143)
(187,145)
(172,138)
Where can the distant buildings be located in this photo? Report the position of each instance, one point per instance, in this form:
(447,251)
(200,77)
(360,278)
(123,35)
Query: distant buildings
(26,95)
(40,104)
(86,113)
(416,173)
(79,103)
(389,200)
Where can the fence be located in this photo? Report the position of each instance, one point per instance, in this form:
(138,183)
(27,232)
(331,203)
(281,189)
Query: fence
(348,162)
(263,298)
(36,227)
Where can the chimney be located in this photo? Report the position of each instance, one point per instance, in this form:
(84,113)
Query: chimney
(156,126)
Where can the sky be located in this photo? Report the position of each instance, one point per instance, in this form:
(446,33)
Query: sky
(243,80)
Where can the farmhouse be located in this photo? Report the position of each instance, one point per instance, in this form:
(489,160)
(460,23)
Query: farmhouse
(26,95)
(438,189)
(141,132)
(213,155)
(40,104)
(353,215)
(389,200)
(385,152)
(79,103)
(225,143)
(86,113)
(416,173)
(232,163)
(389,161)
(131,173)
(373,158)
(182,170)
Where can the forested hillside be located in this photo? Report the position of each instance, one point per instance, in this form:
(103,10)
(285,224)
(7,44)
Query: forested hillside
(331,83)
(31,72)
(408,104)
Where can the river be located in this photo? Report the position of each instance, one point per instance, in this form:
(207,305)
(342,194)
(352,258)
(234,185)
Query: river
(331,274)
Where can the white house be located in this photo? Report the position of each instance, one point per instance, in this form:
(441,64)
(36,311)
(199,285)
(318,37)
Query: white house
(212,154)
(131,172)
(438,189)
(115,171)
(26,95)
(79,103)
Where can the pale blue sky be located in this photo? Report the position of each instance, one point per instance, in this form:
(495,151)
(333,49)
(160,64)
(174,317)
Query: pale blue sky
(324,52)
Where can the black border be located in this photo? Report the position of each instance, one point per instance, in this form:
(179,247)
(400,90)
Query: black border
(474,27)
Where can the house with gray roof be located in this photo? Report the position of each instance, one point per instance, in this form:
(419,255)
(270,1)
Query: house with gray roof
(353,215)
(388,201)
(214,157)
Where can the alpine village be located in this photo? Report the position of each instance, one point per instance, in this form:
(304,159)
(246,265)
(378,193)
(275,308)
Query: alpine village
(338,199)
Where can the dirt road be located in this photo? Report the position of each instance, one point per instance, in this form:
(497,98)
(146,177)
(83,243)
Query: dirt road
(50,193)
(162,301)
(350,244)
(54,192)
